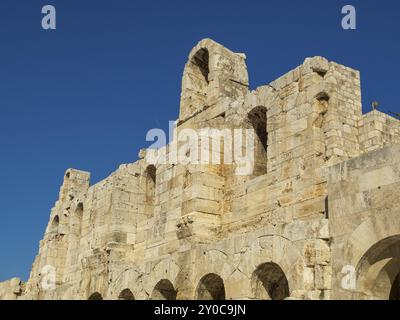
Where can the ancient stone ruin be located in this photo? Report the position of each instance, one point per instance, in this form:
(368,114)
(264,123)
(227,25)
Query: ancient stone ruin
(317,218)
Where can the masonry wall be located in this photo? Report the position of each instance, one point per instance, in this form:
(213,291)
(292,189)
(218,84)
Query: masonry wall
(364,224)
(12,289)
(169,230)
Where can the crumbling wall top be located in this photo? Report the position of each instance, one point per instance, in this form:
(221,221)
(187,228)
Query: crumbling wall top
(212,73)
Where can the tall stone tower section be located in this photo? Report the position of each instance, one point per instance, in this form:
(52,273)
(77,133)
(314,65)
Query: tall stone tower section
(214,80)
(58,251)
(213,73)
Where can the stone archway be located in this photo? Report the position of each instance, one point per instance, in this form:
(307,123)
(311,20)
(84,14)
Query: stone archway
(150,175)
(379,269)
(126,294)
(164,290)
(211,73)
(211,287)
(373,250)
(257,118)
(271,261)
(54,224)
(200,67)
(95,296)
(195,82)
(269,282)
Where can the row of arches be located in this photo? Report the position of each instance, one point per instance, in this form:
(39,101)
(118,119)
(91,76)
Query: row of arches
(268,283)
(377,280)
(125,294)
(75,224)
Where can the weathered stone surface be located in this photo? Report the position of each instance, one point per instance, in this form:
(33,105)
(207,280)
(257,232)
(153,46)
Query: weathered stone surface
(321,198)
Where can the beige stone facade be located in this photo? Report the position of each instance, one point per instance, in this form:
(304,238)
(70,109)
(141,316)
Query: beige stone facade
(318,217)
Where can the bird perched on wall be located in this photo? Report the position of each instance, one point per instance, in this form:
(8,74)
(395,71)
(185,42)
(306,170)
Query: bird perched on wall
(375,105)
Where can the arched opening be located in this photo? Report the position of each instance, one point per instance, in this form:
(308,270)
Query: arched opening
(79,208)
(269,282)
(211,287)
(195,84)
(378,271)
(322,97)
(126,294)
(77,219)
(95,296)
(54,224)
(164,290)
(258,120)
(150,192)
(201,65)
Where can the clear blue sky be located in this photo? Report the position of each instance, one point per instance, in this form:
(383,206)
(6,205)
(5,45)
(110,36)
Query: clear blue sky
(85,95)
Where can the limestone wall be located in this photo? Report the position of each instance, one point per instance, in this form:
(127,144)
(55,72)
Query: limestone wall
(378,130)
(12,289)
(364,215)
(169,230)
